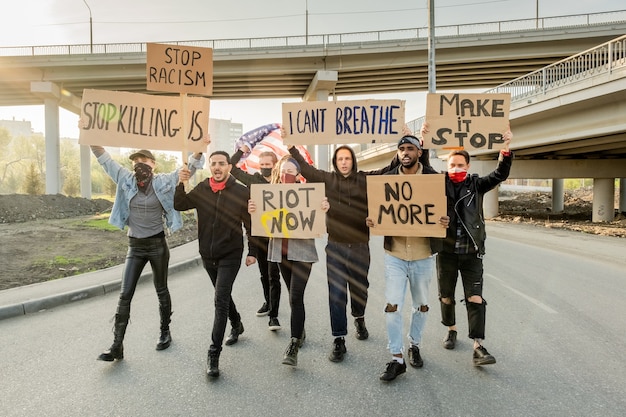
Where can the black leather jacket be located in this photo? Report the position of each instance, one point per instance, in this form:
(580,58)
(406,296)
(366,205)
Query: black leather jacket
(465,204)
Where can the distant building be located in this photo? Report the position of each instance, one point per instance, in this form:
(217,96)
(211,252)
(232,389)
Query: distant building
(18,128)
(224,133)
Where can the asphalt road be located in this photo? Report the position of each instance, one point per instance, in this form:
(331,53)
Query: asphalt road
(555,324)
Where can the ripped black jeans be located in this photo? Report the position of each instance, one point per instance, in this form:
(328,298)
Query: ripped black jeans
(471,268)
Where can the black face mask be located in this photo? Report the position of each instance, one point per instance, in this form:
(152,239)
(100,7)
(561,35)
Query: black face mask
(266,172)
(143,174)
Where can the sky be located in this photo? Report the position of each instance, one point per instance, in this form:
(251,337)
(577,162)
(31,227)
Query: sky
(67,22)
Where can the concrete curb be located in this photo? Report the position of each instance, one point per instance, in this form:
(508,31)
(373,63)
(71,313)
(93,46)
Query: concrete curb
(54,300)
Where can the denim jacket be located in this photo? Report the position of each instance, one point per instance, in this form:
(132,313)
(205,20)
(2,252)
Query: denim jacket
(164,186)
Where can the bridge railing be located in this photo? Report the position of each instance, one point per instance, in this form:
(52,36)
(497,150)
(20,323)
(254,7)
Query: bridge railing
(598,61)
(327,40)
(594,62)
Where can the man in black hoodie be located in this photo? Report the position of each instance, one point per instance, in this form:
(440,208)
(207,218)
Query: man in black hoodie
(347,251)
(222,207)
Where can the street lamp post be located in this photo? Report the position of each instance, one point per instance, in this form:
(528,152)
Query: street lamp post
(306,16)
(90,28)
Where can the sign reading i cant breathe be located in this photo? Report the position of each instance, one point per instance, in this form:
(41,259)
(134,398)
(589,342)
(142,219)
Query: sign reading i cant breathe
(354,121)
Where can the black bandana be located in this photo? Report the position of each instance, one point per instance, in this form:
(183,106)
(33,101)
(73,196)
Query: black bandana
(143,174)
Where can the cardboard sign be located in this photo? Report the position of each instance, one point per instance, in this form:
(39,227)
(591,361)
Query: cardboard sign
(179,69)
(355,121)
(132,120)
(288,210)
(406,205)
(466,121)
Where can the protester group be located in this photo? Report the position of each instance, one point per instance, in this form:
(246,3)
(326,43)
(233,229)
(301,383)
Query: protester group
(149,205)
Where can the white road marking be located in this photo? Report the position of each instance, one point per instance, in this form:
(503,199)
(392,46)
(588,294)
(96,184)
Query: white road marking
(521,294)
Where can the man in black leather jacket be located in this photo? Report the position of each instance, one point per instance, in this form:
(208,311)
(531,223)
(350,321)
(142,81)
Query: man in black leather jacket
(464,245)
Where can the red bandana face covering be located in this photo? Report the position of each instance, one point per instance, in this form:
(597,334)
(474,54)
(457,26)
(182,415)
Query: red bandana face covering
(457,175)
(216,186)
(287,178)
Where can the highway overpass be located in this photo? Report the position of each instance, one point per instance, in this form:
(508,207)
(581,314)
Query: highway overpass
(567,122)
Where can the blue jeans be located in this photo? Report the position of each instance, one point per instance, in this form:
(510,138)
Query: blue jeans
(222,273)
(347,265)
(418,275)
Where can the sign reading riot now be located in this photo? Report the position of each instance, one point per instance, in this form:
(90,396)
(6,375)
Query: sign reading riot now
(179,69)
(288,210)
(356,121)
(406,205)
(127,120)
(466,121)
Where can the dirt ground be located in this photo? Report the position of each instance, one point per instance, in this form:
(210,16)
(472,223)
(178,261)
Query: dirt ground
(47,237)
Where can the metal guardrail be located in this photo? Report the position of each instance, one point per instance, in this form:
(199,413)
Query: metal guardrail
(597,61)
(544,23)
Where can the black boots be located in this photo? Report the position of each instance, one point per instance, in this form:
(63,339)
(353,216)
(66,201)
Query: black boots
(165,310)
(234,334)
(291,354)
(116,351)
(213,364)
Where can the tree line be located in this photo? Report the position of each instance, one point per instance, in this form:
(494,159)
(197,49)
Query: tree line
(23,166)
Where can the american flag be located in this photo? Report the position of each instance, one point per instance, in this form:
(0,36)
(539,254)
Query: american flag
(263,139)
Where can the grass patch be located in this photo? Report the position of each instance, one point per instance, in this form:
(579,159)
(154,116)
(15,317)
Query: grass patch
(58,262)
(99,222)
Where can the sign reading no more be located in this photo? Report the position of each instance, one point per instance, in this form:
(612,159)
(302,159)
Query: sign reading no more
(406,205)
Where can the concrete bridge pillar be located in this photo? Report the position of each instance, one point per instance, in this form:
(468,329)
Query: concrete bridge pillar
(53,147)
(622,195)
(85,171)
(490,203)
(603,200)
(558,195)
(320,89)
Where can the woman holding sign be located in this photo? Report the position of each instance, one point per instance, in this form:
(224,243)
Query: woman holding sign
(295,258)
(144,201)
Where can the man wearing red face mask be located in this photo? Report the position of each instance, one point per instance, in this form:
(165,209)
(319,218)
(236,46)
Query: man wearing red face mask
(464,245)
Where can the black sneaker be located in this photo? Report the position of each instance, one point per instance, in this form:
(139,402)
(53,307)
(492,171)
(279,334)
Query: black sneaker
(263,311)
(394,368)
(234,334)
(361,330)
(339,350)
(415,360)
(482,357)
(450,341)
(274,324)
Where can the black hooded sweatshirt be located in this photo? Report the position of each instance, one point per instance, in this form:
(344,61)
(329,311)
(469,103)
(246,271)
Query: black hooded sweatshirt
(345,221)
